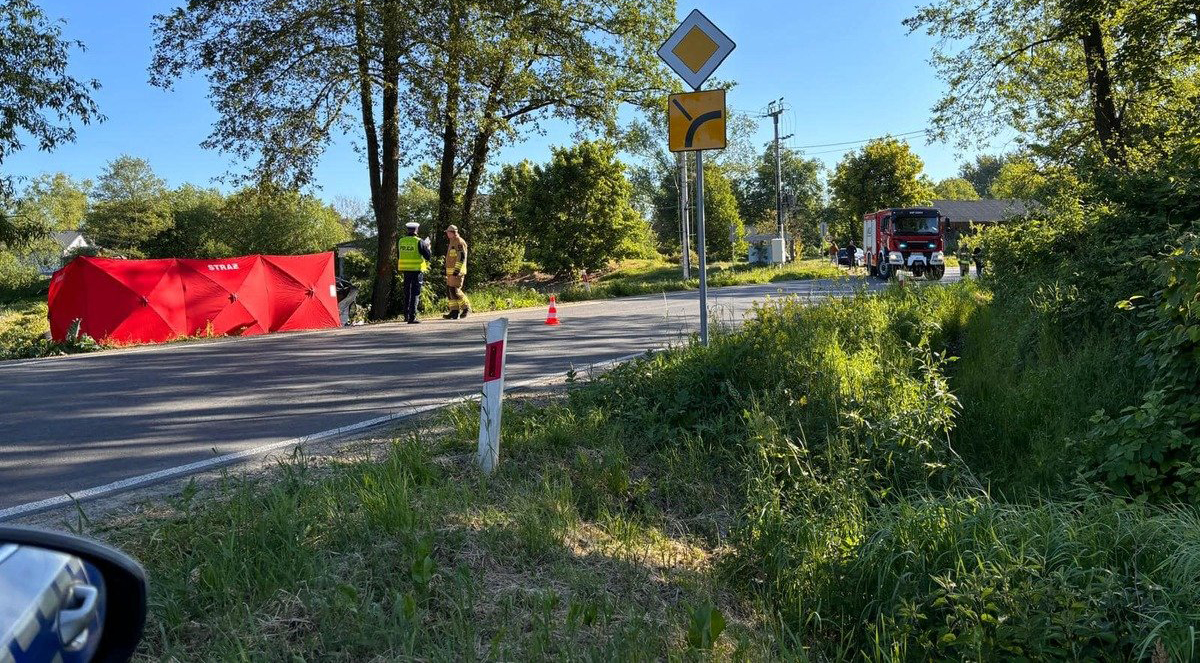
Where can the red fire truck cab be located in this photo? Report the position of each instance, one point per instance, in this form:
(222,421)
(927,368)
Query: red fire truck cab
(910,238)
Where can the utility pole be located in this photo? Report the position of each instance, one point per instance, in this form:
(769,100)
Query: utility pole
(685,226)
(774,110)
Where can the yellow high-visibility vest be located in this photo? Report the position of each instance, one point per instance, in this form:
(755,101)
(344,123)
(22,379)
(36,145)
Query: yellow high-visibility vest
(410,258)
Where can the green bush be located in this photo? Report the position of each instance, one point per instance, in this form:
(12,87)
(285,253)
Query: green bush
(823,436)
(1064,340)
(1153,449)
(17,279)
(496,258)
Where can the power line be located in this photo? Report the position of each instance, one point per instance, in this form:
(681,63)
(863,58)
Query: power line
(865,140)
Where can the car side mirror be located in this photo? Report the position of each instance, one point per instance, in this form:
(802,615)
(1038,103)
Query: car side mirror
(67,597)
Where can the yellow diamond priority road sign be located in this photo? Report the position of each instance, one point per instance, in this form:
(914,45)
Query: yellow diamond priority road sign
(696,49)
(696,121)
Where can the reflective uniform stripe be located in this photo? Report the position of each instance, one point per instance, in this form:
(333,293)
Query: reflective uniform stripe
(454,260)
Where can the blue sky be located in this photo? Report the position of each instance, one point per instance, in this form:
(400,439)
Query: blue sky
(847,70)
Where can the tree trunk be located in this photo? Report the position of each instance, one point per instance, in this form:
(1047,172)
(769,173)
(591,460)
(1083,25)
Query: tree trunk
(479,154)
(1106,120)
(386,214)
(481,145)
(382,282)
(446,178)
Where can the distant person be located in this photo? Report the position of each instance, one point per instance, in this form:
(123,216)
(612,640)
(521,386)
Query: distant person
(977,255)
(413,259)
(852,254)
(456,273)
(833,249)
(964,261)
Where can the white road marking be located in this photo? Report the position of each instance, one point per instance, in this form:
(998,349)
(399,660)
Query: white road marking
(200,466)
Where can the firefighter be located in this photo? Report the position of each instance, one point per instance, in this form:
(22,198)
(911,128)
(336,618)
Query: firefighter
(413,261)
(964,261)
(977,256)
(456,273)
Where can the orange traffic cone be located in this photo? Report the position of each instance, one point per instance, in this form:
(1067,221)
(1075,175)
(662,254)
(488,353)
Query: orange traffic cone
(552,318)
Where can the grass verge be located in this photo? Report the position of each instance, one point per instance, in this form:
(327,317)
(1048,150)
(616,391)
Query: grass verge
(644,277)
(789,493)
(25,327)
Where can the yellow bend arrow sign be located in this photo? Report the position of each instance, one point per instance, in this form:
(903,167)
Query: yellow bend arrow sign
(696,121)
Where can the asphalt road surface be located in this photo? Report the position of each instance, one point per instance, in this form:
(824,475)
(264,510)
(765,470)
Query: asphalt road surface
(73,423)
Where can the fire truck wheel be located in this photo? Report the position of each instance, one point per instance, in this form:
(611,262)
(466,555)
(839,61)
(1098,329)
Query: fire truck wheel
(885,270)
(935,273)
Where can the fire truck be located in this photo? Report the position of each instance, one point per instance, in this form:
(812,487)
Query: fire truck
(910,239)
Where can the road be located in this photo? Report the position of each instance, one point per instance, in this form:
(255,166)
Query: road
(73,423)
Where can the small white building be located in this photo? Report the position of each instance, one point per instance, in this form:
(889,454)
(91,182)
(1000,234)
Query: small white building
(66,243)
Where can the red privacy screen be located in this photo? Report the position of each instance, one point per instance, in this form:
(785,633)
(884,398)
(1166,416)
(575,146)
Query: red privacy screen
(145,301)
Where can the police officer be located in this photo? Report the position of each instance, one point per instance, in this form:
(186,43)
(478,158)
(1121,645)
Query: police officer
(414,255)
(456,274)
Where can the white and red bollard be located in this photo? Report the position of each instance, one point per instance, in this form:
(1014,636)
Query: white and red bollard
(490,404)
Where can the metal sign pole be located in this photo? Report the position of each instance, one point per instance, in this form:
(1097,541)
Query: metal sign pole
(696,121)
(700,248)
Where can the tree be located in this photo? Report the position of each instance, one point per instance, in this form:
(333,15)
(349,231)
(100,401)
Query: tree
(982,172)
(1022,179)
(721,214)
(802,188)
(500,68)
(664,206)
(955,188)
(131,207)
(197,228)
(284,77)
(655,173)
(883,173)
(724,232)
(271,220)
(578,213)
(56,201)
(1082,80)
(756,194)
(355,213)
(40,101)
(498,249)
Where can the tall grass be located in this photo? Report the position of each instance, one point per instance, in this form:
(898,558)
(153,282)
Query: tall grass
(797,482)
(858,526)
(1028,391)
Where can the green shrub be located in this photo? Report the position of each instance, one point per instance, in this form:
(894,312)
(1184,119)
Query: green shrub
(496,258)
(824,433)
(17,278)
(967,578)
(1153,449)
